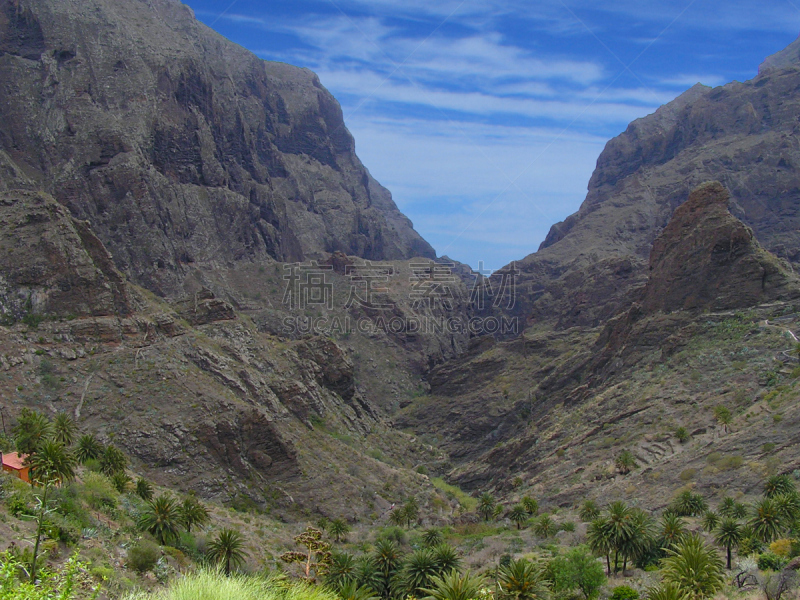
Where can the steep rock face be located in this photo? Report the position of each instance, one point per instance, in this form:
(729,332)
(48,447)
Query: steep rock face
(742,134)
(707,258)
(181,148)
(52,264)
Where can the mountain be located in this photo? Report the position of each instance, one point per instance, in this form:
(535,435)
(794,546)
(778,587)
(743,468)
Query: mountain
(183,150)
(741,134)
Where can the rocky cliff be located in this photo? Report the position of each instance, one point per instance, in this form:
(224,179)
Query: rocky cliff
(742,134)
(183,150)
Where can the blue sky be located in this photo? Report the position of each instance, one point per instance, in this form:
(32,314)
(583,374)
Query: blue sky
(485,118)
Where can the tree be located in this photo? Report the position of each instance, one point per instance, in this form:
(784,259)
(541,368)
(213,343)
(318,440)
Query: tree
(447,558)
(530,504)
(121,480)
(431,537)
(31,430)
(398,516)
(710,521)
(388,562)
(315,559)
(338,528)
(766,520)
(418,572)
(161,519)
(144,489)
(682,435)
(341,571)
(723,416)
(518,514)
(50,465)
(589,511)
(694,568)
(88,448)
(779,485)
(688,504)
(576,569)
(455,586)
(227,549)
(411,511)
(625,462)
(667,591)
(350,590)
(600,539)
(620,522)
(112,460)
(64,429)
(486,505)
(192,512)
(672,529)
(728,535)
(544,526)
(522,580)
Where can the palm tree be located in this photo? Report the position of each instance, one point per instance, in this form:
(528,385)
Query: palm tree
(397,516)
(31,430)
(788,506)
(778,485)
(367,574)
(51,463)
(667,591)
(522,580)
(350,590)
(113,460)
(162,519)
(192,512)
(672,529)
(418,572)
(519,515)
(625,461)
(641,538)
(486,505)
(341,571)
(447,558)
(710,521)
(454,586)
(544,526)
(694,568)
(338,528)
(121,480)
(227,549)
(688,504)
(88,448)
(144,489)
(530,504)
(411,510)
(620,522)
(727,507)
(431,538)
(64,429)
(589,511)
(600,539)
(728,535)
(724,416)
(766,520)
(388,561)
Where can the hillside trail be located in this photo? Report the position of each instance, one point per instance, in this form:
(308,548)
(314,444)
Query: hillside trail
(790,354)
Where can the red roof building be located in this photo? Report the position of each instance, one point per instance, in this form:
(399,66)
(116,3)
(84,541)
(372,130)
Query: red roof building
(15,463)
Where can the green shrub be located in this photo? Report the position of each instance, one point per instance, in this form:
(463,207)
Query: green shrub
(624,592)
(99,492)
(771,562)
(143,556)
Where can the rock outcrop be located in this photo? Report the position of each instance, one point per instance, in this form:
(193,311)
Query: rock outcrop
(708,259)
(182,149)
(741,134)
